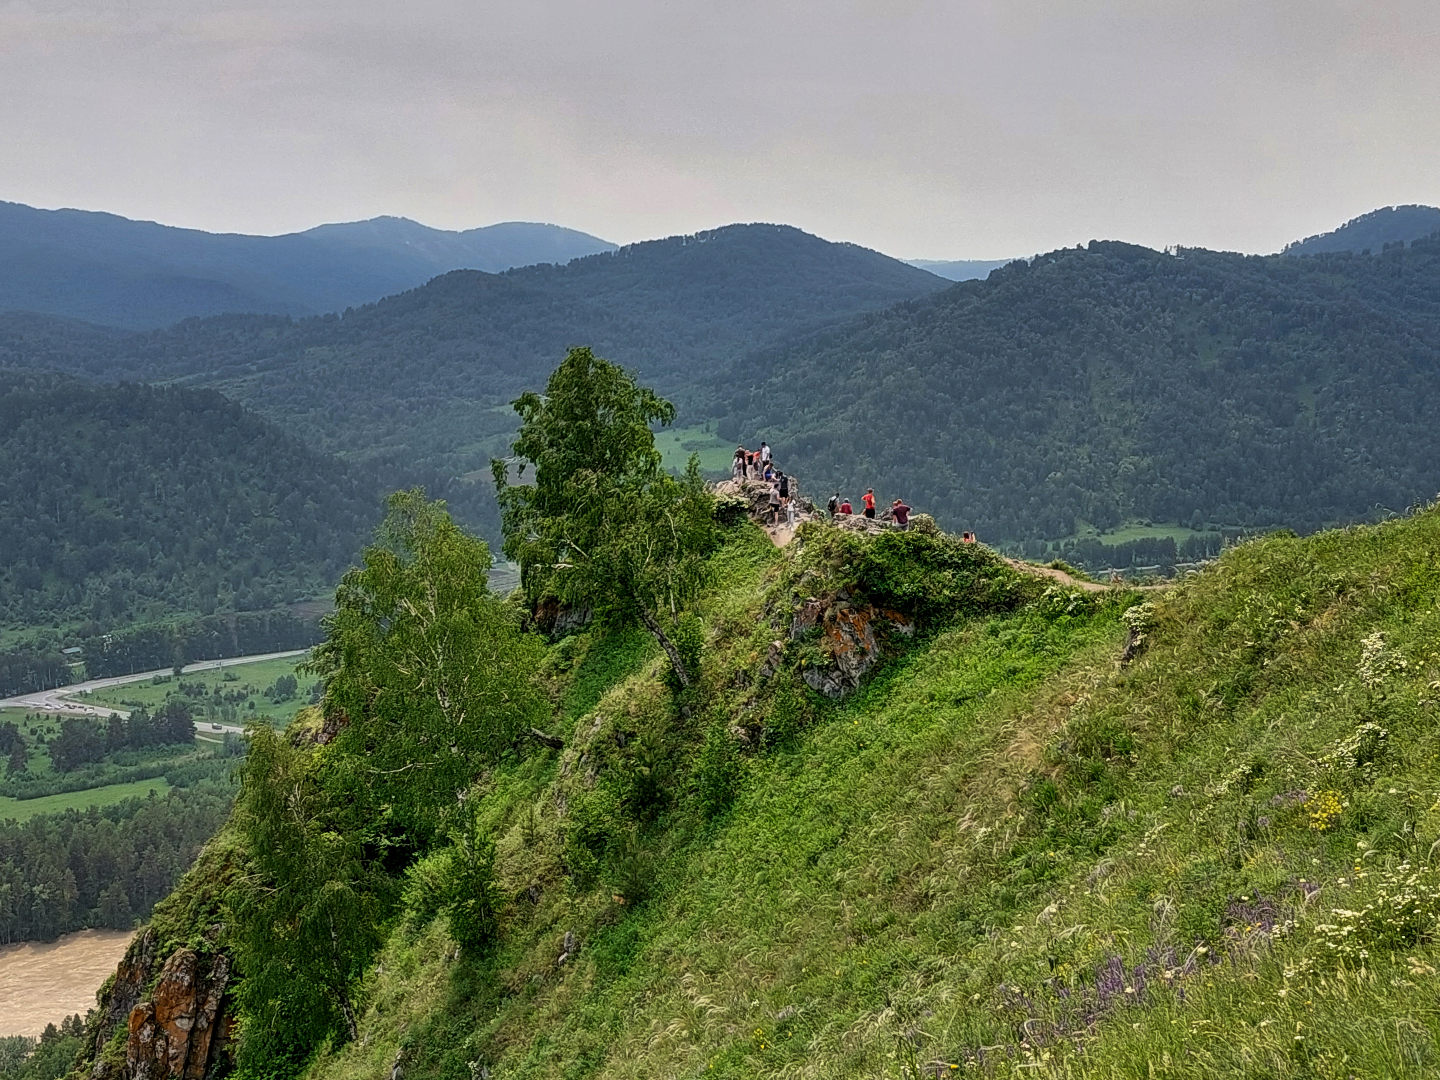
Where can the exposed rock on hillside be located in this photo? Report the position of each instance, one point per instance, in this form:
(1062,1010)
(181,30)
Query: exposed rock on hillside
(851,635)
(183,1031)
(174,1020)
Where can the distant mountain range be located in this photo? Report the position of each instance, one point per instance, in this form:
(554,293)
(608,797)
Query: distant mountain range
(1373,231)
(1086,387)
(139,275)
(1113,383)
(416,387)
(960,269)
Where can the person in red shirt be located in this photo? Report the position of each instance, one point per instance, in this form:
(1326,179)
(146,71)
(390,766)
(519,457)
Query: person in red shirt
(901,513)
(870,502)
(845,507)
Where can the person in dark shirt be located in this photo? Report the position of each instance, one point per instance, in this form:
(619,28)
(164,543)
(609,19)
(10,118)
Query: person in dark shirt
(784,487)
(833,506)
(901,513)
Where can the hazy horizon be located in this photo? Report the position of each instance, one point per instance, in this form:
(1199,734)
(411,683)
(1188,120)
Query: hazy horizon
(965,130)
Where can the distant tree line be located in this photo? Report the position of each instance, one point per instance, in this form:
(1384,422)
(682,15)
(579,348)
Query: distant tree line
(102,867)
(81,741)
(1161,552)
(51,1055)
(211,637)
(25,671)
(122,504)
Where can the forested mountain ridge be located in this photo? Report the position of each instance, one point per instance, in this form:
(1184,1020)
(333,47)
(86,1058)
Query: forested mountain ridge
(1113,382)
(417,385)
(124,503)
(138,274)
(1373,231)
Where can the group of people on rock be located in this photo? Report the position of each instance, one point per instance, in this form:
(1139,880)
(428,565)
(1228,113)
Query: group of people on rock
(899,513)
(760,465)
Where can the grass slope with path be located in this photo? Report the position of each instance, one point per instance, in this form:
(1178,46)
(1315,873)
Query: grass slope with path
(1012,852)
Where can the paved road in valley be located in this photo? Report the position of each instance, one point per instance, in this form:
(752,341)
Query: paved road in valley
(58,700)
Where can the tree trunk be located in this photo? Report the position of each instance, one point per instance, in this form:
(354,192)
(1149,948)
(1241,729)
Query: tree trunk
(340,992)
(669,646)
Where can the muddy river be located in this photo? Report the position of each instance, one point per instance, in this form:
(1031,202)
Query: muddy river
(42,984)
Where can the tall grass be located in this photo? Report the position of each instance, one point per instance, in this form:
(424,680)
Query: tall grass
(1010,854)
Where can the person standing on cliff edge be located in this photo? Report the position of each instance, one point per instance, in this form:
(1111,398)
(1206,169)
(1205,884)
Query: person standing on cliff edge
(870,503)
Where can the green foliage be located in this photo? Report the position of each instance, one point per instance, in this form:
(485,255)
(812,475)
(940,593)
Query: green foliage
(410,389)
(49,1056)
(718,771)
(428,669)
(603,526)
(121,504)
(304,919)
(605,658)
(101,866)
(458,881)
(1114,383)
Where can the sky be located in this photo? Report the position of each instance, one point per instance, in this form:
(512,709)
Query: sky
(957,129)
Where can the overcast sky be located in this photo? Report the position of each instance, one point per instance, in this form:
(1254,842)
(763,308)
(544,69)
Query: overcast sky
(956,129)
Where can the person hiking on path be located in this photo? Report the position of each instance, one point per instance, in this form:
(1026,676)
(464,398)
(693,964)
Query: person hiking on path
(775,504)
(833,506)
(870,503)
(901,513)
(784,487)
(737,467)
(845,507)
(764,454)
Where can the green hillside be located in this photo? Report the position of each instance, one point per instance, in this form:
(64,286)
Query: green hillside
(416,388)
(1373,232)
(1054,833)
(120,504)
(1113,384)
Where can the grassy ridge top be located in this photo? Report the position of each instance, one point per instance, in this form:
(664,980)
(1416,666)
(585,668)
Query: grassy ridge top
(1009,850)
(1013,850)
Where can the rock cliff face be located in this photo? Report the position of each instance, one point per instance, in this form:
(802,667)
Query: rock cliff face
(183,1031)
(175,1019)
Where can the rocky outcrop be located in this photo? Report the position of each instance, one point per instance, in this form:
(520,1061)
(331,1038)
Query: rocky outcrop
(754,496)
(126,988)
(183,1031)
(556,620)
(167,1012)
(852,638)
